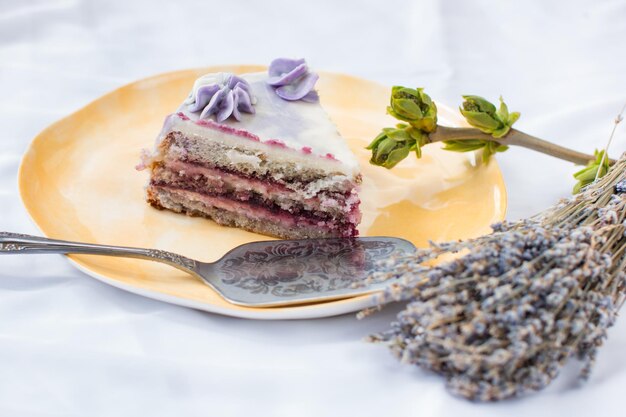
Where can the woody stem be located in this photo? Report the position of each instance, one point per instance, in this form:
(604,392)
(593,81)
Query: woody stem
(514,137)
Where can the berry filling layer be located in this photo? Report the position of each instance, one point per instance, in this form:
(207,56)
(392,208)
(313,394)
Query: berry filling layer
(257,212)
(216,182)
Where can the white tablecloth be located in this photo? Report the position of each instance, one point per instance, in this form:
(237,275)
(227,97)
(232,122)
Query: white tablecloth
(72,346)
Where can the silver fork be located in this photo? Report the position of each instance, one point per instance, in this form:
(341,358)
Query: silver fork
(259,274)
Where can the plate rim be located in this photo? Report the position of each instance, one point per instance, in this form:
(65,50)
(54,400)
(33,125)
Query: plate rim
(319,310)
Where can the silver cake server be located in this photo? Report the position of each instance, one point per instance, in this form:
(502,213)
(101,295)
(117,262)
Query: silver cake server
(259,274)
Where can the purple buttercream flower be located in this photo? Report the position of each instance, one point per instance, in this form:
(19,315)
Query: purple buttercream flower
(293,80)
(221,95)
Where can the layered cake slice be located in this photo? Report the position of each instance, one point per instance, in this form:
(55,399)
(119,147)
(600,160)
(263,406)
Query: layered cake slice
(258,152)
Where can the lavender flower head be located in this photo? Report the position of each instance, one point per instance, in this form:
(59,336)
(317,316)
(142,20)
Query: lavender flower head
(292,80)
(221,94)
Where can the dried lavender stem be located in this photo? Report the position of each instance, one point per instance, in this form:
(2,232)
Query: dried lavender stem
(618,120)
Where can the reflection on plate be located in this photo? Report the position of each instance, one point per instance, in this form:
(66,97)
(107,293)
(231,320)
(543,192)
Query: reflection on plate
(78,182)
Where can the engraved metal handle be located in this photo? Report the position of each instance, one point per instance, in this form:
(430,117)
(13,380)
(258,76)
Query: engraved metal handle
(14,243)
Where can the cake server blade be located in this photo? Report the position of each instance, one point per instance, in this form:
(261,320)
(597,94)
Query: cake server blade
(270,273)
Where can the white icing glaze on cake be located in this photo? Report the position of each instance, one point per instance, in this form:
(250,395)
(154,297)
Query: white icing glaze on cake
(239,142)
(298,125)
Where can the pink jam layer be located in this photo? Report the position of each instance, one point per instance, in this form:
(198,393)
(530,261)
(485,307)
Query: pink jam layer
(260,213)
(349,205)
(248,135)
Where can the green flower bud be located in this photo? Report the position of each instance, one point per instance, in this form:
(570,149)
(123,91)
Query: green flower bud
(392,145)
(413,106)
(484,116)
(588,174)
(478,104)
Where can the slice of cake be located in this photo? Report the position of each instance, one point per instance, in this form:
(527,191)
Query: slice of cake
(257,151)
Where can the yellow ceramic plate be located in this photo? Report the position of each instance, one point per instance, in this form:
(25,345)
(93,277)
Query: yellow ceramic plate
(78,182)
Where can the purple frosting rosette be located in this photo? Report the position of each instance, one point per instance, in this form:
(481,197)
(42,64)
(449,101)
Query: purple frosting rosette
(292,80)
(229,97)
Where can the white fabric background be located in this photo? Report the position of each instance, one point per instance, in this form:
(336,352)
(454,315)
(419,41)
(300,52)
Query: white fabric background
(71,346)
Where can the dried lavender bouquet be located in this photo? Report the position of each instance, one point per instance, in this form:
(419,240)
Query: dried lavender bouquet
(502,318)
